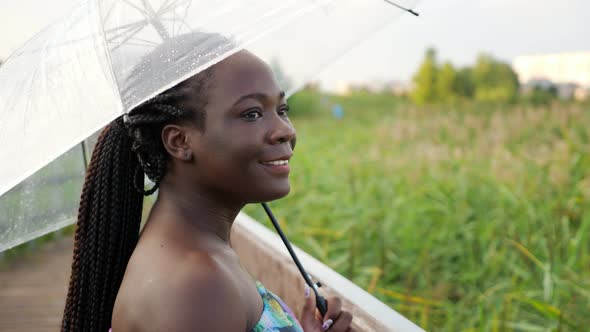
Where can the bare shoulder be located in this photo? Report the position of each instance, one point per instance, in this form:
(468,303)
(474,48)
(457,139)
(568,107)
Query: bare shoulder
(201,297)
(190,293)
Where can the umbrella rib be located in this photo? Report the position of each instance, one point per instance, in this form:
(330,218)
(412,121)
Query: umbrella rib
(174,21)
(145,41)
(174,5)
(27,108)
(150,44)
(402,8)
(167,6)
(11,100)
(180,21)
(126,39)
(162,7)
(85,38)
(52,96)
(108,14)
(130,31)
(154,20)
(183,21)
(145,13)
(64,28)
(129,25)
(39,49)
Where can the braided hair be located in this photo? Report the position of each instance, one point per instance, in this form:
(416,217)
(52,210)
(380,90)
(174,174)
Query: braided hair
(110,209)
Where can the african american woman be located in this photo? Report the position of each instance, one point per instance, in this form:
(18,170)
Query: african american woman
(211,144)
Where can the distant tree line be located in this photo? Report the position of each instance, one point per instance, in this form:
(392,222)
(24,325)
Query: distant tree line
(489,80)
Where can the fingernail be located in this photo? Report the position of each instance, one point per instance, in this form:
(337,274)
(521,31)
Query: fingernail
(327,324)
(307,291)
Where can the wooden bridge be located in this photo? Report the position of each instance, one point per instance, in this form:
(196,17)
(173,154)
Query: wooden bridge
(33,289)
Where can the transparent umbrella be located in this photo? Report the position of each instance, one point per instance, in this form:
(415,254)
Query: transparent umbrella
(76,76)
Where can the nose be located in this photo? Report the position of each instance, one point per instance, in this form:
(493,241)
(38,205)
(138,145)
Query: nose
(282,132)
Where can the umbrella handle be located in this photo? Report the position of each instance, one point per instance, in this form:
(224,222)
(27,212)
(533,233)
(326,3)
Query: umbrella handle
(321,302)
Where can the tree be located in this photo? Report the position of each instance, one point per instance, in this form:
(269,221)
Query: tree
(445,83)
(463,85)
(490,80)
(424,91)
(540,95)
(494,81)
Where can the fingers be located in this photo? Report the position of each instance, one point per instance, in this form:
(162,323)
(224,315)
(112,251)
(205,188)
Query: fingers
(342,324)
(334,308)
(308,311)
(336,320)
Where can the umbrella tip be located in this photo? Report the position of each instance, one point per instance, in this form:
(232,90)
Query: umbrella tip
(402,8)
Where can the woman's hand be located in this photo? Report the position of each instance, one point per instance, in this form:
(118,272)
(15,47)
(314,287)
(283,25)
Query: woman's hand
(336,320)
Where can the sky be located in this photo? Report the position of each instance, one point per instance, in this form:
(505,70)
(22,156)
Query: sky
(458,29)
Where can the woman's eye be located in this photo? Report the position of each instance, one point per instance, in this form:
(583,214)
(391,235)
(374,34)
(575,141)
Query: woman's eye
(283,110)
(252,114)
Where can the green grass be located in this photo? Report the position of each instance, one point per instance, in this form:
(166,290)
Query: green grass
(463,218)
(50,195)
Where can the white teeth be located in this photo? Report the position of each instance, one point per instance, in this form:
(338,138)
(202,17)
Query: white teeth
(277,162)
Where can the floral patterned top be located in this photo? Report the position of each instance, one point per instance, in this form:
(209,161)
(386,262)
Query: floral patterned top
(276,315)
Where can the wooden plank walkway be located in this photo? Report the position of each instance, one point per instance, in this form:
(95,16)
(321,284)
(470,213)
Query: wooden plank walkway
(33,288)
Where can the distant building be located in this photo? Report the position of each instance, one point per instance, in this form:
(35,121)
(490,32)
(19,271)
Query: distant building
(582,94)
(397,88)
(313,85)
(562,90)
(568,72)
(343,88)
(568,90)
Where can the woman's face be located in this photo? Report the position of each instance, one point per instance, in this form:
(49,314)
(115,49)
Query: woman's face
(244,149)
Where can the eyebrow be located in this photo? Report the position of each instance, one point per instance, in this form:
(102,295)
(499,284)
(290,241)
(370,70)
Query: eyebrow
(259,96)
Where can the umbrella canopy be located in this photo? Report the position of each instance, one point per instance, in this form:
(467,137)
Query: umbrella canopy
(78,74)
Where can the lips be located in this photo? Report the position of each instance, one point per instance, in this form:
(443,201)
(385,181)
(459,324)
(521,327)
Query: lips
(276,162)
(277,166)
(284,159)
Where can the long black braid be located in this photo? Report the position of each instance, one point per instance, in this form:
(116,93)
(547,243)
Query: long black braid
(110,209)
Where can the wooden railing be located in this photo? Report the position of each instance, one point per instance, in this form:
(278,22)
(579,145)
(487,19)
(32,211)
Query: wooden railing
(265,256)
(32,290)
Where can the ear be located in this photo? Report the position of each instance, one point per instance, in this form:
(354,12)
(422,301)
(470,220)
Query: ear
(175,140)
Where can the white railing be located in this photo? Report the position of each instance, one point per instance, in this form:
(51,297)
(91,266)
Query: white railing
(265,256)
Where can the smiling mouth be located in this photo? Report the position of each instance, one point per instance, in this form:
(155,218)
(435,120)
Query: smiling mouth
(278,167)
(276,162)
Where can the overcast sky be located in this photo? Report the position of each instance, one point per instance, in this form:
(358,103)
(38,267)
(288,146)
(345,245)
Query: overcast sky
(458,29)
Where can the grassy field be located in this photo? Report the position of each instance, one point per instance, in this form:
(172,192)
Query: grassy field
(51,195)
(463,218)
